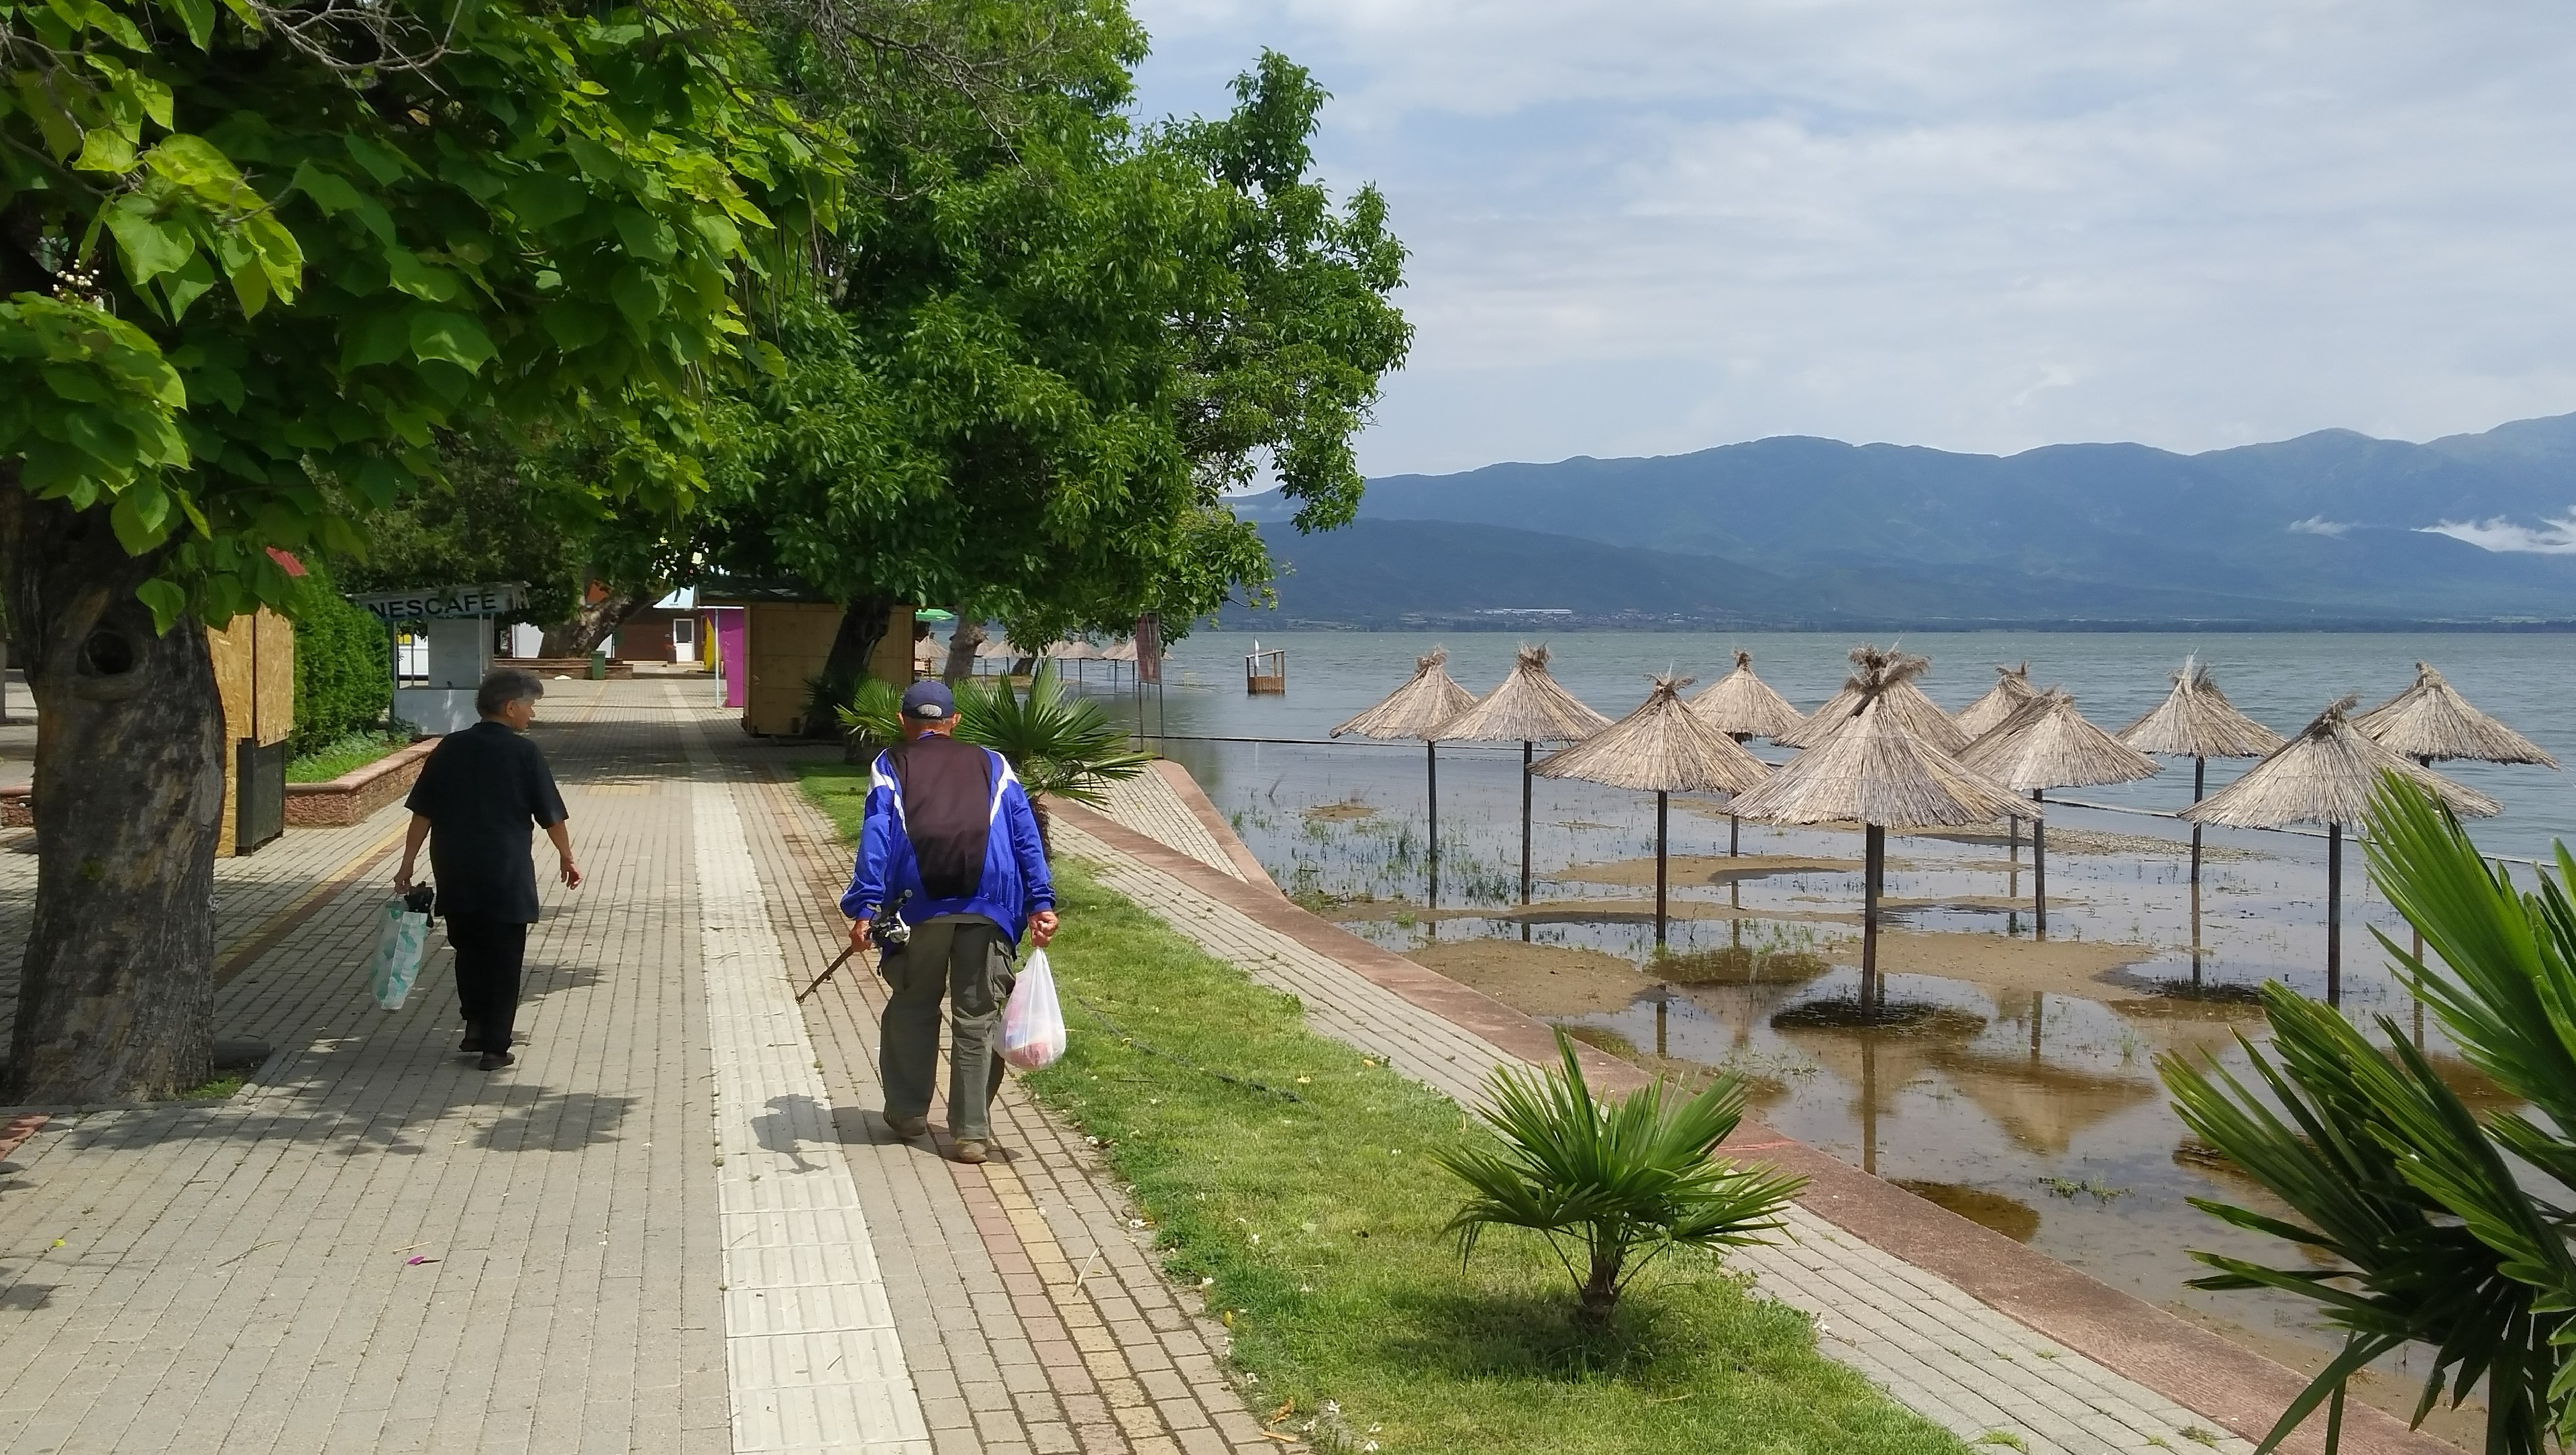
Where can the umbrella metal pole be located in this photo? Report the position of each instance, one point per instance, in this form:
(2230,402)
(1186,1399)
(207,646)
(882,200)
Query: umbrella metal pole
(1734,831)
(1663,807)
(2038,873)
(1431,778)
(2195,932)
(1525,822)
(2334,914)
(2199,781)
(1873,867)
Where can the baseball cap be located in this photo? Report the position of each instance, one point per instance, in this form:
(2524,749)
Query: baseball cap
(929,701)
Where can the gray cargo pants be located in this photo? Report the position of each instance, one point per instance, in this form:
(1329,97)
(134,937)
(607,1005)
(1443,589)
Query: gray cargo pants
(964,959)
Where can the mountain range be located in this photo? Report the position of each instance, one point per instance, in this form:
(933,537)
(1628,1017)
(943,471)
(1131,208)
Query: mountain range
(2332,529)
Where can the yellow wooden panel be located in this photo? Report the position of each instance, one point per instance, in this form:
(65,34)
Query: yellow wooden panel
(273,676)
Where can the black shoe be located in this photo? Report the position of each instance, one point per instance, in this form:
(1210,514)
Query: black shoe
(495,1061)
(473,1043)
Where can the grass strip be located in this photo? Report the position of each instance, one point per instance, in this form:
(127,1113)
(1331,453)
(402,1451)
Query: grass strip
(1315,1226)
(343,755)
(1319,1225)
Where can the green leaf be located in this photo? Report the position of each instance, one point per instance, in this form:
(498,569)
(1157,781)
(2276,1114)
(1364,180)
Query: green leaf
(197,17)
(105,149)
(167,602)
(638,295)
(450,338)
(417,278)
(380,164)
(646,236)
(137,515)
(377,338)
(188,284)
(148,246)
(542,199)
(198,165)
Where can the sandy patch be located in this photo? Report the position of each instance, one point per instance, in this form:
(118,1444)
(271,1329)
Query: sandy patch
(1703,869)
(1345,811)
(1541,980)
(1998,962)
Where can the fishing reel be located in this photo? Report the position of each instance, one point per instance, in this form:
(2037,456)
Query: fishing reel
(891,931)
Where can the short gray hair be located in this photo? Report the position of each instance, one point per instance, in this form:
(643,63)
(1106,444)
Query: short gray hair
(505,686)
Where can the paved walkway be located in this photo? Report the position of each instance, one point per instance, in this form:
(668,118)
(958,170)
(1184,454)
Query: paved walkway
(676,1225)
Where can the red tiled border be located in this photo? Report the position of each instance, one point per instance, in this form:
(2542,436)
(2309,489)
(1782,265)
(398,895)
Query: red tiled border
(15,1132)
(2187,1364)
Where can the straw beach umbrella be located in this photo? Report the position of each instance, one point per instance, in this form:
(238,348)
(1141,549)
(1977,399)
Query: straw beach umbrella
(2196,721)
(1429,698)
(1743,706)
(2325,776)
(1905,701)
(2045,743)
(1876,769)
(1663,749)
(2431,720)
(1527,708)
(2012,688)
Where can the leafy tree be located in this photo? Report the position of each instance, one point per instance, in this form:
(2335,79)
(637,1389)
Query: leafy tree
(2418,1220)
(253,259)
(1033,359)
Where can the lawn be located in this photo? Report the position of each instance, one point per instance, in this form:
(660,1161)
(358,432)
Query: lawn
(343,755)
(1305,1202)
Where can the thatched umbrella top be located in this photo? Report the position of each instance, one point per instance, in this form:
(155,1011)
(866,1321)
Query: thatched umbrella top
(2046,743)
(1877,770)
(1742,705)
(2012,688)
(1920,714)
(1662,747)
(1529,707)
(1418,708)
(2432,720)
(2197,721)
(2325,775)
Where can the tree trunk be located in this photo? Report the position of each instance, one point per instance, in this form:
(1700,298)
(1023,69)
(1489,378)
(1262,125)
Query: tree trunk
(1599,1302)
(116,997)
(961,650)
(863,625)
(594,622)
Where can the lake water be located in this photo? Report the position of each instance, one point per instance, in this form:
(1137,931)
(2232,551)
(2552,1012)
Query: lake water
(2021,1089)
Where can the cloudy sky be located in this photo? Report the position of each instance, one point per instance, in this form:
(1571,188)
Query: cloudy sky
(1659,225)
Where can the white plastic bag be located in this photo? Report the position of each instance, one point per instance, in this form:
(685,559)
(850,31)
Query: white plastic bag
(1033,1022)
(402,937)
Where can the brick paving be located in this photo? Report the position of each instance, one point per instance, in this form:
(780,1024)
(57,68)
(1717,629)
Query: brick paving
(619,1236)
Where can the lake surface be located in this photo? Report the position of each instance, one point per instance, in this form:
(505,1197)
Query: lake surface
(2021,1089)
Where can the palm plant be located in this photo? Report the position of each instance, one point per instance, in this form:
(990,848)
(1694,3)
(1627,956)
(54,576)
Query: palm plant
(1617,1183)
(1061,746)
(872,720)
(2431,1222)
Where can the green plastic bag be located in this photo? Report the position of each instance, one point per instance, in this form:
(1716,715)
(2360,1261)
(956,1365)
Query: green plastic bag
(402,938)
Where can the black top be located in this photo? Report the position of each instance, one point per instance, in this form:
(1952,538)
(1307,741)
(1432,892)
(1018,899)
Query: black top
(485,791)
(947,811)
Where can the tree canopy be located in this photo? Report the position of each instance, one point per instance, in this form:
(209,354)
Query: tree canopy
(1031,364)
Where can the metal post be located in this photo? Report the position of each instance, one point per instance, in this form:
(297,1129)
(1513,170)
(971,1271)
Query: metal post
(1663,807)
(2195,932)
(1525,822)
(2334,914)
(1873,867)
(1431,780)
(2199,781)
(2038,872)
(1734,829)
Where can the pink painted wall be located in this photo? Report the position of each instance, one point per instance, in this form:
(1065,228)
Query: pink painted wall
(733,645)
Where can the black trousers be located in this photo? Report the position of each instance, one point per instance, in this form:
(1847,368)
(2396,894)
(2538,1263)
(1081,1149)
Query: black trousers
(489,953)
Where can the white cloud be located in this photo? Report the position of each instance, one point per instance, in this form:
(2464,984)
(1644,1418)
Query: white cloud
(2552,538)
(1662,225)
(2318,525)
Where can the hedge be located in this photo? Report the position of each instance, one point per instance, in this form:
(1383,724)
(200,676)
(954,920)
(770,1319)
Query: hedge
(344,672)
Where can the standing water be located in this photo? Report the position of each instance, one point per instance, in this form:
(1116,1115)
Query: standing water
(2013,1081)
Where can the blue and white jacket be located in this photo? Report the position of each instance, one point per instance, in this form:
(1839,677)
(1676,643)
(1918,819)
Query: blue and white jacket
(1015,884)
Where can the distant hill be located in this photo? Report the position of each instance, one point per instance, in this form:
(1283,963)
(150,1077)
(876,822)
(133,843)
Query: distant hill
(2328,529)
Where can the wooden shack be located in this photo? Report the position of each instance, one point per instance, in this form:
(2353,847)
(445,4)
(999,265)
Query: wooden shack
(1265,672)
(786,637)
(254,662)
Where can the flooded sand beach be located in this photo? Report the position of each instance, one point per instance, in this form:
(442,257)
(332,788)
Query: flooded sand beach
(2012,1077)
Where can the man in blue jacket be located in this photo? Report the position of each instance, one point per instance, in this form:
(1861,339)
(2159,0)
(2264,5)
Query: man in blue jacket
(950,847)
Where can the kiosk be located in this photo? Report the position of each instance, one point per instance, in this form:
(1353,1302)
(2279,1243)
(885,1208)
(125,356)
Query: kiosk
(459,625)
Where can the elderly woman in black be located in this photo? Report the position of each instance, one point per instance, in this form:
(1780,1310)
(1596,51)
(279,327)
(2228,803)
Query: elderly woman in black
(480,793)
